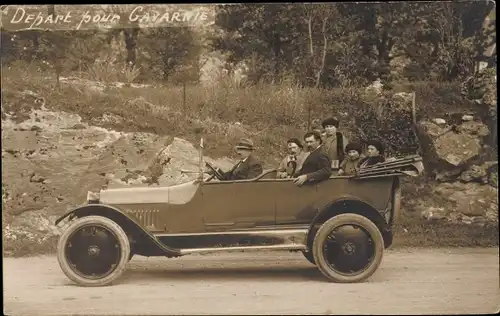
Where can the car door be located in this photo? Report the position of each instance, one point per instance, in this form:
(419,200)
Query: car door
(295,205)
(238,204)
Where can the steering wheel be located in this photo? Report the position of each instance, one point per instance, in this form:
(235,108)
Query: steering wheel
(217,174)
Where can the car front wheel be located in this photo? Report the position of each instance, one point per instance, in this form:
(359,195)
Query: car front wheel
(93,251)
(348,248)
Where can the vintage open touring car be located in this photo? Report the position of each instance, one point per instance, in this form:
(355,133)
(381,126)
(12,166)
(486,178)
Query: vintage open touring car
(342,224)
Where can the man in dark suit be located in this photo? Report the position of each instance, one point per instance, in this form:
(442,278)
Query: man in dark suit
(317,166)
(248,167)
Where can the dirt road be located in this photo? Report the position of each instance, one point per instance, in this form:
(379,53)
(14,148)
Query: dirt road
(411,281)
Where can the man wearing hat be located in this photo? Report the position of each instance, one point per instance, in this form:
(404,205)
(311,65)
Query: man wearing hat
(334,141)
(293,162)
(248,167)
(375,153)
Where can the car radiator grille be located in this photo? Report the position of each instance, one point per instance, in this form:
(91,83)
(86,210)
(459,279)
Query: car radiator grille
(147,218)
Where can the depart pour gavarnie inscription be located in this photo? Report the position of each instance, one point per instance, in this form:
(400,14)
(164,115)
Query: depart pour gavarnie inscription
(80,17)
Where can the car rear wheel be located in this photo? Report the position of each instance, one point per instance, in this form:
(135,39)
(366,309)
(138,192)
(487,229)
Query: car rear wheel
(348,248)
(93,251)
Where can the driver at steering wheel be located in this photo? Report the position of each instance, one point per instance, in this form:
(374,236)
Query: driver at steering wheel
(248,167)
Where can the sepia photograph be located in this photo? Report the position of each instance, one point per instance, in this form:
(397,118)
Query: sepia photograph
(328,158)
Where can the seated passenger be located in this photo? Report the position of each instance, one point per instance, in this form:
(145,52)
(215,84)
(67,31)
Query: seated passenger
(350,164)
(248,167)
(293,162)
(317,166)
(375,154)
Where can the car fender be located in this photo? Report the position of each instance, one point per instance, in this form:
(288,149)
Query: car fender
(350,204)
(121,218)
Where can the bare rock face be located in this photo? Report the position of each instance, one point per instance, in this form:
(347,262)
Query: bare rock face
(470,200)
(48,170)
(439,121)
(447,148)
(434,213)
(481,173)
(473,128)
(183,156)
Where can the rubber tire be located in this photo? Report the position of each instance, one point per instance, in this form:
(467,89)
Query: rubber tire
(122,239)
(346,219)
(309,256)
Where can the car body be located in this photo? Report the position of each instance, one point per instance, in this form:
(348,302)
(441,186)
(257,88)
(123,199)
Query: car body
(265,213)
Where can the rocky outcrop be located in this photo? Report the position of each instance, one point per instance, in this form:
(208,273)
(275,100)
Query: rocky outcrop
(454,154)
(51,159)
(471,202)
(482,173)
(458,202)
(450,148)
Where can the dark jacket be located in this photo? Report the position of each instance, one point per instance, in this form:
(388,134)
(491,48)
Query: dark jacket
(247,169)
(370,161)
(317,166)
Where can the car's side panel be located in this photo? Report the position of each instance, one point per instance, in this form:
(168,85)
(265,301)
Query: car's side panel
(376,192)
(294,204)
(299,205)
(238,204)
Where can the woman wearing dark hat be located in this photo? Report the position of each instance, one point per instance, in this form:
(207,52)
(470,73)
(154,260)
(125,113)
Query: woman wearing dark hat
(350,165)
(334,142)
(375,153)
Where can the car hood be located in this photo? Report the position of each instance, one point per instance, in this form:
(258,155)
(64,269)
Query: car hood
(176,194)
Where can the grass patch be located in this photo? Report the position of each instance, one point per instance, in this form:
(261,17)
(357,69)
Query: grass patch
(269,114)
(435,234)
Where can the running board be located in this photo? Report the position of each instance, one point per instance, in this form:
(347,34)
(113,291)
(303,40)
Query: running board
(244,248)
(258,239)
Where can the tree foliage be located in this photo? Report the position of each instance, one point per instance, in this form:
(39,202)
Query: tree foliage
(441,39)
(317,45)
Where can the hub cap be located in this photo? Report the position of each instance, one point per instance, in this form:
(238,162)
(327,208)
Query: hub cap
(349,249)
(93,251)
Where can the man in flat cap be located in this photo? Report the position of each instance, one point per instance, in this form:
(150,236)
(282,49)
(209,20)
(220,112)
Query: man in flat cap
(248,167)
(334,142)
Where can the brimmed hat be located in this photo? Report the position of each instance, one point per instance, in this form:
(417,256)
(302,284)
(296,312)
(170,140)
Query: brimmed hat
(330,121)
(354,146)
(376,144)
(244,143)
